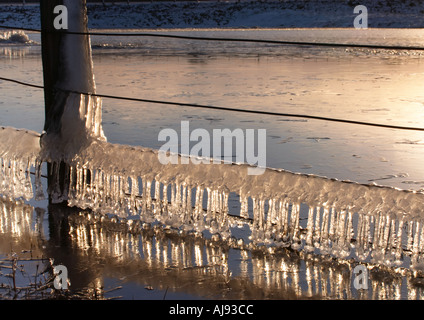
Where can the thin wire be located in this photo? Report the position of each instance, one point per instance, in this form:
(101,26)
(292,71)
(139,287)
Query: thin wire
(22,83)
(192,105)
(279,42)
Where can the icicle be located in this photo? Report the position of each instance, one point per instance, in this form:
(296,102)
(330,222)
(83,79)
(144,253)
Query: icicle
(179,198)
(361,238)
(104,180)
(84,193)
(212,209)
(147,194)
(324,230)
(132,192)
(256,235)
(165,198)
(340,227)
(397,243)
(332,226)
(350,232)
(158,201)
(183,204)
(220,220)
(386,233)
(72,183)
(271,219)
(116,194)
(189,207)
(110,178)
(184,216)
(317,227)
(101,186)
(244,207)
(410,234)
(257,216)
(198,211)
(283,220)
(345,233)
(80,183)
(386,241)
(224,211)
(415,247)
(209,203)
(341,248)
(378,227)
(392,235)
(215,202)
(173,197)
(310,230)
(295,209)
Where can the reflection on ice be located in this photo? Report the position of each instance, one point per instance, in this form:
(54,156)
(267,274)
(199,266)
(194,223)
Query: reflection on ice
(171,262)
(19,220)
(14,52)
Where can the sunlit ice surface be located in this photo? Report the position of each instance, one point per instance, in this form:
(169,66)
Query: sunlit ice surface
(365,85)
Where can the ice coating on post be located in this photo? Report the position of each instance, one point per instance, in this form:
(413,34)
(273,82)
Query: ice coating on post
(72,119)
(76,59)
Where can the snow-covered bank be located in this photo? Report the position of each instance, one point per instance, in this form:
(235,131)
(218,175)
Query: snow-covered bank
(243,14)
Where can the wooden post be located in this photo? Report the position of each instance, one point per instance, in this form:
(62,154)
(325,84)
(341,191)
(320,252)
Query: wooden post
(50,48)
(50,44)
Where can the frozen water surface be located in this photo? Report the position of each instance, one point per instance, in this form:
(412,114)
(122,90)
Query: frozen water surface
(364,85)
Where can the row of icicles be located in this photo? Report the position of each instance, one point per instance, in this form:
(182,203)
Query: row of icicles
(276,222)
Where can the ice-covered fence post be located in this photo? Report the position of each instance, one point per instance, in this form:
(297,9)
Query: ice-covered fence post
(67,63)
(71,119)
(50,46)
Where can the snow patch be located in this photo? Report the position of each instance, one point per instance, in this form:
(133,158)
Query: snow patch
(15,37)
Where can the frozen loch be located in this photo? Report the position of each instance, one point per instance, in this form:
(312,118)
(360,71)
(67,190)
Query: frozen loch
(220,203)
